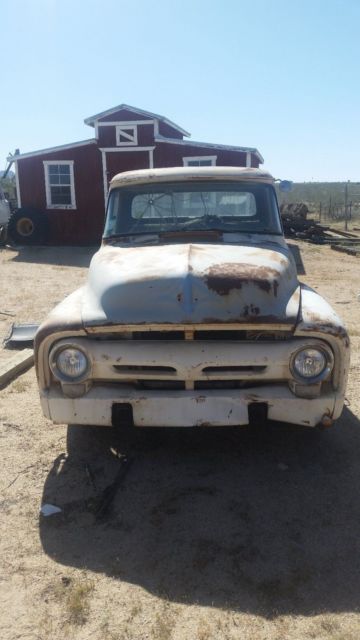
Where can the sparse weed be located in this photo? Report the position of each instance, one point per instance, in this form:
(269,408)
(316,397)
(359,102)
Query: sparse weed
(45,628)
(19,386)
(134,611)
(75,595)
(203,631)
(329,625)
(163,627)
(77,601)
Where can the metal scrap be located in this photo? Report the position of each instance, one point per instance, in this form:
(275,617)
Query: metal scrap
(21,335)
(7,313)
(296,224)
(350,250)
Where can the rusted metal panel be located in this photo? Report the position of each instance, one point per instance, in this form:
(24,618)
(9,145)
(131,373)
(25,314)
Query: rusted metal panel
(64,320)
(318,318)
(192,283)
(243,281)
(185,408)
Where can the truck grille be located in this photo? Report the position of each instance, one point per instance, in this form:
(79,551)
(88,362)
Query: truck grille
(191,364)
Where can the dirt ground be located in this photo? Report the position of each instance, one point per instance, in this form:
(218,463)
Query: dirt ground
(218,534)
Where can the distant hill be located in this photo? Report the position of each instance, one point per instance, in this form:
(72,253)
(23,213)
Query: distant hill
(316,192)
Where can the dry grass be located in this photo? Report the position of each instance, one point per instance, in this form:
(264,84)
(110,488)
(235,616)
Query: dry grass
(19,386)
(127,630)
(204,630)
(77,602)
(328,627)
(164,624)
(45,628)
(74,595)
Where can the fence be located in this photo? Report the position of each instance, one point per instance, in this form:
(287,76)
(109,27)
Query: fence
(331,212)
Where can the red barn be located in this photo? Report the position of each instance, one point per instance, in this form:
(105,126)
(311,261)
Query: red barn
(62,190)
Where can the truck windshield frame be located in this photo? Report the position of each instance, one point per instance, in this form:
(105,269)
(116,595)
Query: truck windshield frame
(228,207)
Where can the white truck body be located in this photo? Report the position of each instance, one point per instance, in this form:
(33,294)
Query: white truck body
(194,325)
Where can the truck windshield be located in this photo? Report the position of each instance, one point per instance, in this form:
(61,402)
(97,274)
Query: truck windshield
(156,208)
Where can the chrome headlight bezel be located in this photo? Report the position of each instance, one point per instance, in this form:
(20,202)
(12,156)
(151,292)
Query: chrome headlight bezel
(62,377)
(323,375)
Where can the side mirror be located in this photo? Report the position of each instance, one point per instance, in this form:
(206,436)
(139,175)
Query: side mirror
(285,186)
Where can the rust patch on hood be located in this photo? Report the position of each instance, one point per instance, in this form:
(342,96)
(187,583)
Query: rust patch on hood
(223,278)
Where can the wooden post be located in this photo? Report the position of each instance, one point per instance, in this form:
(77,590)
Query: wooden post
(19,363)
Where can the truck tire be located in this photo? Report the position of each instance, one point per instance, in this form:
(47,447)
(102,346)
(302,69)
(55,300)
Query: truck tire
(27,226)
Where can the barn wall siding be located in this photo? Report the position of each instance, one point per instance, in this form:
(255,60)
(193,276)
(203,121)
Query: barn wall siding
(126,161)
(171,155)
(107,136)
(254,161)
(84,225)
(169,132)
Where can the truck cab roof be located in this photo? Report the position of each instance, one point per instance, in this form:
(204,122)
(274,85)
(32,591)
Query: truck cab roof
(181,174)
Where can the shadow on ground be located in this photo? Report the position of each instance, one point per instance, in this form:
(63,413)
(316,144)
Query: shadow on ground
(265,521)
(295,250)
(62,256)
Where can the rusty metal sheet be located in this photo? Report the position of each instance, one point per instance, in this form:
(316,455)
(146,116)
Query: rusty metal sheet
(186,408)
(192,284)
(21,335)
(318,319)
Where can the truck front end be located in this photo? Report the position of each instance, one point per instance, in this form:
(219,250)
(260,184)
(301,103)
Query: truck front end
(192,314)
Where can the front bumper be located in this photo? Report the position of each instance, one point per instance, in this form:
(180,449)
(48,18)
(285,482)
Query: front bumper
(187,408)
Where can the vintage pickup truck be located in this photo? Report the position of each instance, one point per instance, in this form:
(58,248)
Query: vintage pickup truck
(192,314)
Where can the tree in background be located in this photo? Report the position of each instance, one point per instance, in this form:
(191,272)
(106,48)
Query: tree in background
(9,187)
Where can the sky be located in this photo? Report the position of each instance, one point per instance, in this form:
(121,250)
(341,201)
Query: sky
(278,75)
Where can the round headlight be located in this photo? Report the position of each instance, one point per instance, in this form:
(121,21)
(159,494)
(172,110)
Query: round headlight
(71,363)
(310,363)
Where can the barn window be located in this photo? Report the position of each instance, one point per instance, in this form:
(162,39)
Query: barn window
(59,184)
(126,135)
(200,161)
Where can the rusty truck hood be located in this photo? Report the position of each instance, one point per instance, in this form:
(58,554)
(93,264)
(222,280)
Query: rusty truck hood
(192,283)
